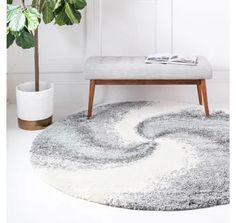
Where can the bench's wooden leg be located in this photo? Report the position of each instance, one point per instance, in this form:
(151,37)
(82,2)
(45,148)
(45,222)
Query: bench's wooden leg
(91,96)
(204,96)
(199,94)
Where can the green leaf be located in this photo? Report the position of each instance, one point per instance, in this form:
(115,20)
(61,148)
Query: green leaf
(15,34)
(11,11)
(48,15)
(78,15)
(71,1)
(9,1)
(18,22)
(58,4)
(52,3)
(59,9)
(33,11)
(62,19)
(80,4)
(71,13)
(32,16)
(25,40)
(15,17)
(10,39)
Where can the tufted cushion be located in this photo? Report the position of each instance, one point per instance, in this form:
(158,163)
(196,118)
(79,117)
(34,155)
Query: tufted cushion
(110,67)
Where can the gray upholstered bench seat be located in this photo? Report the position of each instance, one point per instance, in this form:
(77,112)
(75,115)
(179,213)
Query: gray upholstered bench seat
(117,68)
(134,71)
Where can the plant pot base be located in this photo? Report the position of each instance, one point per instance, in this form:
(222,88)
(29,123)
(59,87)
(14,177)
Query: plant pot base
(34,125)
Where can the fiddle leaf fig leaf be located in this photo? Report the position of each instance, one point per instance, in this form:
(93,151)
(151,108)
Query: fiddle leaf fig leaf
(25,40)
(62,19)
(15,18)
(70,1)
(78,15)
(71,13)
(48,15)
(18,22)
(58,4)
(32,15)
(52,3)
(80,4)
(11,10)
(58,9)
(10,39)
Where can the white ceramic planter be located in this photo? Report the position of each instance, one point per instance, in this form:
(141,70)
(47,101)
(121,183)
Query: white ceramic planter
(34,109)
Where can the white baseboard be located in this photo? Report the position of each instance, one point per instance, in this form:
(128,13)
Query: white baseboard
(72,88)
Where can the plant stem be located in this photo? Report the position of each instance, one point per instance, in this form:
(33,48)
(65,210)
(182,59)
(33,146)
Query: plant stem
(36,51)
(36,60)
(23,4)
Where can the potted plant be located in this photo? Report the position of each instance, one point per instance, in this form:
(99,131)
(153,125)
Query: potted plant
(35,99)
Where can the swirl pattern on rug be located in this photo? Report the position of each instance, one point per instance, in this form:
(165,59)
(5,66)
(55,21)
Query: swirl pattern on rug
(139,155)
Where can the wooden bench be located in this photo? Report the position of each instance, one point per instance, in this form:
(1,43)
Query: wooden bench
(133,71)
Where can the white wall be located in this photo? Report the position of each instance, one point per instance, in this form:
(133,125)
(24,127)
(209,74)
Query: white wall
(129,27)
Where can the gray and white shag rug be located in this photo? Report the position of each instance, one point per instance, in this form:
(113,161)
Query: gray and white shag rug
(139,155)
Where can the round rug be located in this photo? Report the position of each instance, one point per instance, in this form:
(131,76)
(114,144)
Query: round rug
(138,155)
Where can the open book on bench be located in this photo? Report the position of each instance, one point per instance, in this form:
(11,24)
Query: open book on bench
(171,59)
